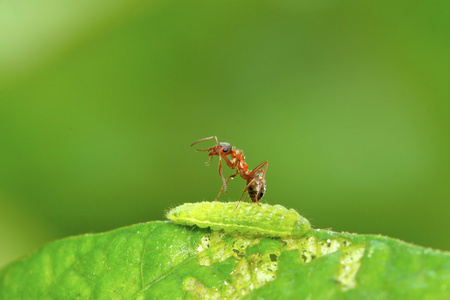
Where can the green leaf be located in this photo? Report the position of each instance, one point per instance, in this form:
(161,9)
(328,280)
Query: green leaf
(161,260)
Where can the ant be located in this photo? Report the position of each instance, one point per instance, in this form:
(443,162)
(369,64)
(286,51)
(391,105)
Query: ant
(256,183)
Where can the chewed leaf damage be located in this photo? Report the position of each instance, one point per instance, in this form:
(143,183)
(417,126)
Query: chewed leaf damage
(254,262)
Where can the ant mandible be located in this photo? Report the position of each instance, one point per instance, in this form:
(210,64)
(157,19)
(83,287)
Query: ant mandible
(256,183)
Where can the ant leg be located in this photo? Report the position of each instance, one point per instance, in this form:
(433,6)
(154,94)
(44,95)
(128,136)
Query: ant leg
(205,139)
(231,163)
(247,186)
(221,189)
(266,163)
(221,174)
(257,201)
(243,195)
(240,201)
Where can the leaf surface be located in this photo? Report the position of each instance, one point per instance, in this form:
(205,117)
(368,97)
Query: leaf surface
(160,260)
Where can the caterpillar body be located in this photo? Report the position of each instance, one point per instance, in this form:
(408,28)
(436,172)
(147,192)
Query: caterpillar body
(270,220)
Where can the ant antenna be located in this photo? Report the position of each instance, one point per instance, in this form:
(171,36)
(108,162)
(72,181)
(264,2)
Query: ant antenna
(205,139)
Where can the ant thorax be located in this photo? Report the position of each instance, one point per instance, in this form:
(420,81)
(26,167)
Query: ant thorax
(238,155)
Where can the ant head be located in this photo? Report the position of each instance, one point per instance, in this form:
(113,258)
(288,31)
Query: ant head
(226,148)
(219,149)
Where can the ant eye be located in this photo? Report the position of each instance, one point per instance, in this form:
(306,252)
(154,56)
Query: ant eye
(226,147)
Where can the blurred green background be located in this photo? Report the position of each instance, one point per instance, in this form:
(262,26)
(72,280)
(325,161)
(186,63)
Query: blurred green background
(100,100)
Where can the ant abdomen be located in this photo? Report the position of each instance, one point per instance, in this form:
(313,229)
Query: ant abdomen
(257,189)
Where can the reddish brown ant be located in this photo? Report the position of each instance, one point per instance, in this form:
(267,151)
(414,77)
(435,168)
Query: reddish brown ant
(256,183)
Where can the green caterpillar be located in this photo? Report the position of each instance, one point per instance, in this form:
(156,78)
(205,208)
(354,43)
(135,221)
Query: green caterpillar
(248,218)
